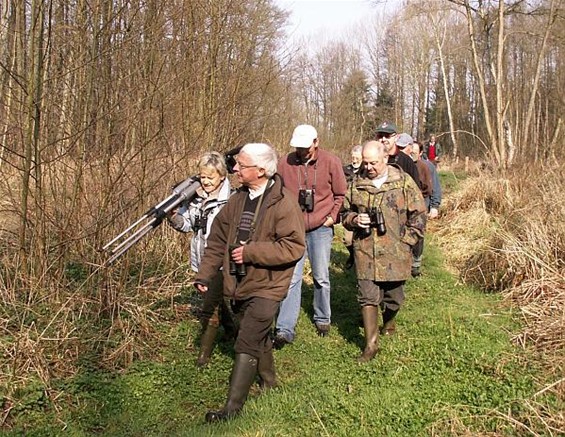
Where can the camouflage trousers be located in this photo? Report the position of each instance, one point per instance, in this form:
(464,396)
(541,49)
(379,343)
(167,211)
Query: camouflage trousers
(386,294)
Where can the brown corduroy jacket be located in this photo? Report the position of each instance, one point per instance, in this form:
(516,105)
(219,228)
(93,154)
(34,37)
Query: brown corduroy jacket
(272,252)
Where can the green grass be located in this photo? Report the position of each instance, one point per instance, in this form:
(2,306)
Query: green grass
(449,180)
(450,368)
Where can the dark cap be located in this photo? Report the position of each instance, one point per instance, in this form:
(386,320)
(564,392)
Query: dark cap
(387,128)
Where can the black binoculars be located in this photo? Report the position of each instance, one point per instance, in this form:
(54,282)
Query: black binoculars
(200,222)
(306,199)
(377,221)
(235,268)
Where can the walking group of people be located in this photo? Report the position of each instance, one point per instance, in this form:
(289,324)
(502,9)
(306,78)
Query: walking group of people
(249,246)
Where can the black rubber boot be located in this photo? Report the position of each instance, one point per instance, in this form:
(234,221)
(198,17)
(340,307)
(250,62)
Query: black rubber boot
(389,324)
(207,341)
(351,260)
(371,326)
(242,376)
(266,370)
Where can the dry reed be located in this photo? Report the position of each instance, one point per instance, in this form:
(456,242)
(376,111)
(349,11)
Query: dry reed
(74,306)
(507,234)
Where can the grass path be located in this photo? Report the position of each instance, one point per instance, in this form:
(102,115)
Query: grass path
(450,370)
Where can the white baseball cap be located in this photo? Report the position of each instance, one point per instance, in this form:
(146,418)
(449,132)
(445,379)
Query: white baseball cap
(303,136)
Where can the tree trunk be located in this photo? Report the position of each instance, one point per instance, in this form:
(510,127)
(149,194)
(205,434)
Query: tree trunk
(439,45)
(535,85)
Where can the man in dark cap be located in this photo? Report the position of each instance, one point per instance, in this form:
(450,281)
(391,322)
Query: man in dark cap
(387,134)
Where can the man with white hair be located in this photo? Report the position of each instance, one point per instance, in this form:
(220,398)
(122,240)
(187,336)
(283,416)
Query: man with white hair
(351,170)
(257,237)
(315,178)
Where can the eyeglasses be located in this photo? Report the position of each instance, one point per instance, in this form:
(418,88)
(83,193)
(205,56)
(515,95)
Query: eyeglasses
(382,135)
(243,167)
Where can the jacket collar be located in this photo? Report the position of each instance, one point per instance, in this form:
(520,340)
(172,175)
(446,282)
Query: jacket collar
(394,175)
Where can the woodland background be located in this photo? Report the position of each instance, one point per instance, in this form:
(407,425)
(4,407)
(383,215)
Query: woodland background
(106,104)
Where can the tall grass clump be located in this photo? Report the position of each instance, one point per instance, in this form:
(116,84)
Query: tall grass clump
(63,309)
(506,233)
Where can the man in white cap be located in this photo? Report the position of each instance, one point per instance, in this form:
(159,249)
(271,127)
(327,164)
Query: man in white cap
(316,178)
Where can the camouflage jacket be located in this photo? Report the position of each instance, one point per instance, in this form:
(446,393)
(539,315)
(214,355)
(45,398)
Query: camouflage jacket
(386,257)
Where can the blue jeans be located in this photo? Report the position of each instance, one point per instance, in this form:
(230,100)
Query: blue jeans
(318,250)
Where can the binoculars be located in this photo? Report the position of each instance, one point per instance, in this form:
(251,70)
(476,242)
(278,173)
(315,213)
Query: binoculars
(377,221)
(306,199)
(200,222)
(236,269)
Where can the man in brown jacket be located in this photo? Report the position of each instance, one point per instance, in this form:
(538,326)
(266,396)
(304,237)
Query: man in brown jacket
(257,237)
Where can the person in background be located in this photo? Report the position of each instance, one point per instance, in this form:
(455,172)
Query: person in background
(258,237)
(387,134)
(351,170)
(434,201)
(197,216)
(426,186)
(316,179)
(432,150)
(406,145)
(386,211)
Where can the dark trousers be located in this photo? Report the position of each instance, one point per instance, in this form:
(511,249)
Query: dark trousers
(255,316)
(214,309)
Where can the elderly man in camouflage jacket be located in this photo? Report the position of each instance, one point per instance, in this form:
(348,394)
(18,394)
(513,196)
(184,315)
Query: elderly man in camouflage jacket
(385,209)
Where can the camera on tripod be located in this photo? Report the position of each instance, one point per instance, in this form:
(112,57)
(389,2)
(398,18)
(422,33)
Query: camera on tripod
(183,192)
(306,199)
(235,268)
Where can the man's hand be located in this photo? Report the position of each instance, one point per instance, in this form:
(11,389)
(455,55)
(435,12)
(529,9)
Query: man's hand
(237,254)
(175,220)
(433,213)
(362,220)
(201,287)
(329,221)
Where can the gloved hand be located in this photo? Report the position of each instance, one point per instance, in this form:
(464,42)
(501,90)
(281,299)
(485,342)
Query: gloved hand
(176,221)
(433,213)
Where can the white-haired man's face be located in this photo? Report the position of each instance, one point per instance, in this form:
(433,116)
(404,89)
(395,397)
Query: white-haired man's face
(356,159)
(247,172)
